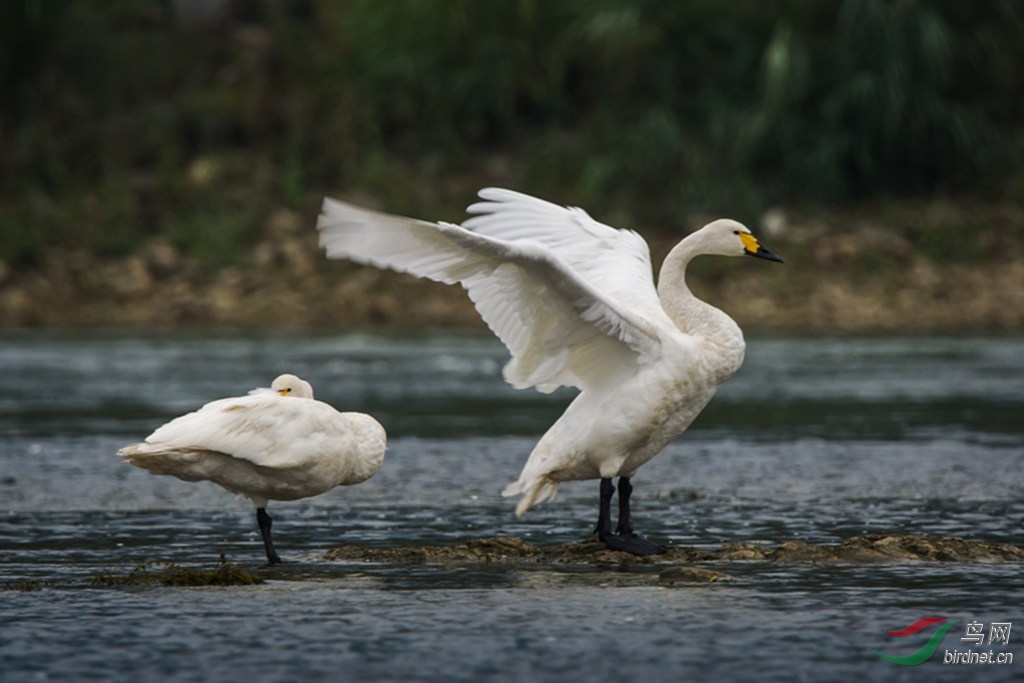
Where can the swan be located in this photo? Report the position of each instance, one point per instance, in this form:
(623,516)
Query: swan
(273,444)
(575,303)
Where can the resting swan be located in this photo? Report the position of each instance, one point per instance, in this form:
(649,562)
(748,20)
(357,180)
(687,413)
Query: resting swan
(575,303)
(274,444)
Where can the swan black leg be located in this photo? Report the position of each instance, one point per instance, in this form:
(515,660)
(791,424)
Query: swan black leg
(624,538)
(264,520)
(625,527)
(604,511)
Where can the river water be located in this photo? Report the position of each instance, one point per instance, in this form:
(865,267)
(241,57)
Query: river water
(815,440)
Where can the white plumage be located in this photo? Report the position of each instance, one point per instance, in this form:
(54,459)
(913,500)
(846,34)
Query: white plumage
(273,444)
(575,303)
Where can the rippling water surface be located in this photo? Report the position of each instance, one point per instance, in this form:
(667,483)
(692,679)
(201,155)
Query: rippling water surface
(814,440)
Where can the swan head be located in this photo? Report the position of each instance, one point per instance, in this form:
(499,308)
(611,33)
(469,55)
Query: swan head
(726,237)
(292,386)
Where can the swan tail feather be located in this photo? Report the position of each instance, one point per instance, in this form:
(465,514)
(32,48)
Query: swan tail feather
(536,491)
(178,462)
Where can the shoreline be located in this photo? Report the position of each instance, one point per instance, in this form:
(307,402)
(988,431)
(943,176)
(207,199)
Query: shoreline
(859,280)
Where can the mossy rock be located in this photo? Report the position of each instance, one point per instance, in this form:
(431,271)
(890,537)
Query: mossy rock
(867,549)
(225,574)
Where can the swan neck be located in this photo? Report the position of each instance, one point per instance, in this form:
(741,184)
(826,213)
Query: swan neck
(679,302)
(693,315)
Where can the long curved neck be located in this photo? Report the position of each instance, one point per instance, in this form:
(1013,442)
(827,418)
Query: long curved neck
(690,314)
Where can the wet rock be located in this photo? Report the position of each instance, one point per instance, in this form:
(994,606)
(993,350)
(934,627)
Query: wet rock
(935,549)
(868,549)
(877,548)
(502,549)
(225,574)
(740,552)
(688,575)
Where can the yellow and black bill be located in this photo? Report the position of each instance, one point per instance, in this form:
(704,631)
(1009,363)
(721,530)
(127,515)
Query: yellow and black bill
(753,248)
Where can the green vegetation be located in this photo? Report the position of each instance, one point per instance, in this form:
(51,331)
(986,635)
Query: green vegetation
(125,120)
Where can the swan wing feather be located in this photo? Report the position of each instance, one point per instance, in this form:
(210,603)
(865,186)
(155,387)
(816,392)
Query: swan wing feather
(559,327)
(263,428)
(617,262)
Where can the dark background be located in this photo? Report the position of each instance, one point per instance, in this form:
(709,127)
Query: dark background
(192,122)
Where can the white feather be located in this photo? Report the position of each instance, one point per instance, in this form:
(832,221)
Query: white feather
(529,296)
(575,303)
(266,446)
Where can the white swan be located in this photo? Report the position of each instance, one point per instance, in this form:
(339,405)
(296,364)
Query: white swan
(274,444)
(575,303)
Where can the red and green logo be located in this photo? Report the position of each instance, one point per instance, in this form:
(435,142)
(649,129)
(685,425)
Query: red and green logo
(929,648)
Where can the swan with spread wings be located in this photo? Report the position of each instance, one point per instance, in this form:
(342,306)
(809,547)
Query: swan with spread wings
(575,303)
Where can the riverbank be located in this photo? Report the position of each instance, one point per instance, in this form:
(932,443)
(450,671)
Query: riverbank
(932,267)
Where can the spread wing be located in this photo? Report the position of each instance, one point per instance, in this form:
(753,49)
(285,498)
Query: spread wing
(618,262)
(560,326)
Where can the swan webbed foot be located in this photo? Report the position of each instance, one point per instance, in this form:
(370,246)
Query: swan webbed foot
(624,539)
(630,543)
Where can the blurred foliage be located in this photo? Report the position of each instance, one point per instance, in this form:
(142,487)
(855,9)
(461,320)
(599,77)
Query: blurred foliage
(130,118)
